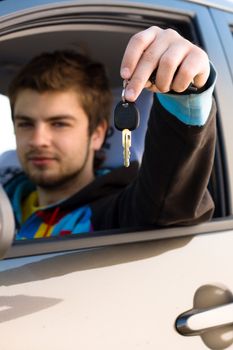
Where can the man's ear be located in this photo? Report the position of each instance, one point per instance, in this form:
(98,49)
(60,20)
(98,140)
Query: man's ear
(98,135)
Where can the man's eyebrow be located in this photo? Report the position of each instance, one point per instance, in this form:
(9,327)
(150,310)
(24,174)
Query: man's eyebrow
(60,117)
(19,116)
(50,118)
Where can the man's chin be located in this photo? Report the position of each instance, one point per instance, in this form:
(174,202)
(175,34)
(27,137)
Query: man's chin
(45,180)
(52,181)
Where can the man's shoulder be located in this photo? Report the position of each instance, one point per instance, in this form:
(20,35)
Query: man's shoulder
(9,173)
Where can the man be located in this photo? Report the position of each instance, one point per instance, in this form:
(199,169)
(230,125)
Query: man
(60,107)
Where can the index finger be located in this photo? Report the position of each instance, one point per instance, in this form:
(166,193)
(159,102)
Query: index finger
(134,50)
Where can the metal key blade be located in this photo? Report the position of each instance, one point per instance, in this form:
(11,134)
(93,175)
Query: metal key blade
(126,143)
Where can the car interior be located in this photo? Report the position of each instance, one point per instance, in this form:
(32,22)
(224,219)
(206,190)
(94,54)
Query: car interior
(103,35)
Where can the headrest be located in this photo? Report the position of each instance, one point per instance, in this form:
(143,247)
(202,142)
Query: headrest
(113,145)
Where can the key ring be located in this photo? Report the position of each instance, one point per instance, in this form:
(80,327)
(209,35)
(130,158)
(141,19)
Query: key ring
(125,83)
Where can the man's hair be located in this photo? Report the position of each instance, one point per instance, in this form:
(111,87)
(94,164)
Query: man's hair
(63,71)
(66,70)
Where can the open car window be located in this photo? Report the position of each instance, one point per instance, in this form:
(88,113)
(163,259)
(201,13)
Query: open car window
(7,138)
(103,33)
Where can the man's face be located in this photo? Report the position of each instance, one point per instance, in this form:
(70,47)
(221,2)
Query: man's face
(53,142)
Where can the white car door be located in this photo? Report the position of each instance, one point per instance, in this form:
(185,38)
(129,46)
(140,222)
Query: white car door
(126,296)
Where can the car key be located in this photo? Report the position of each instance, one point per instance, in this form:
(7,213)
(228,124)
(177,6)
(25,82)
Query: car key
(126,119)
(126,144)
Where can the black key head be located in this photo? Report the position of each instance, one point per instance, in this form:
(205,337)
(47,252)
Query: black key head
(126,116)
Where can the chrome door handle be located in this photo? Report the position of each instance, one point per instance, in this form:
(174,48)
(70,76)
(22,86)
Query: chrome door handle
(196,321)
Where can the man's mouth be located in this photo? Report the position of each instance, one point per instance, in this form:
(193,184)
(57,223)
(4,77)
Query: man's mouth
(41,160)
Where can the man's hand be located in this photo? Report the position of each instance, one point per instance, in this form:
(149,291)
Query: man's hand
(177,60)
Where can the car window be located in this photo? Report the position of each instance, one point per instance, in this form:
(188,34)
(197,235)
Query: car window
(7,137)
(117,32)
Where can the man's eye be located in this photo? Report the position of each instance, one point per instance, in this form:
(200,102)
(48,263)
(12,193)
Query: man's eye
(24,125)
(60,124)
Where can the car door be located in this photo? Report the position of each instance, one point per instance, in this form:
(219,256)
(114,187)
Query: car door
(135,289)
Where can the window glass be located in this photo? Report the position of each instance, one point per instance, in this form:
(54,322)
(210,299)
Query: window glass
(7,137)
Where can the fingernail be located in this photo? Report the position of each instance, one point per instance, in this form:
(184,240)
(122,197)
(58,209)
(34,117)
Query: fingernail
(125,73)
(129,94)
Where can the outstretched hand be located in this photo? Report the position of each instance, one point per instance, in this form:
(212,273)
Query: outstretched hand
(177,61)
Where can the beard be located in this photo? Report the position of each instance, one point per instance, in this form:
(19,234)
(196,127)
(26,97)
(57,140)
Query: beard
(56,177)
(54,181)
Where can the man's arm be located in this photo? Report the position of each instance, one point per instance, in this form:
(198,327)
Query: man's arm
(172,183)
(179,153)
(171,187)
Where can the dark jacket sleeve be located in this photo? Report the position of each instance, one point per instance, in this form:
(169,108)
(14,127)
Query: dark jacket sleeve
(171,186)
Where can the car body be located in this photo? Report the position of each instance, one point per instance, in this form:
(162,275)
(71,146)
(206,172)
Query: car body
(121,289)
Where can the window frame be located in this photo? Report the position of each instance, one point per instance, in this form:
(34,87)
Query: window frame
(198,14)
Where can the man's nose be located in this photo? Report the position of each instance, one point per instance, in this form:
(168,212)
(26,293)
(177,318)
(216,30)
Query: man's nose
(40,136)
